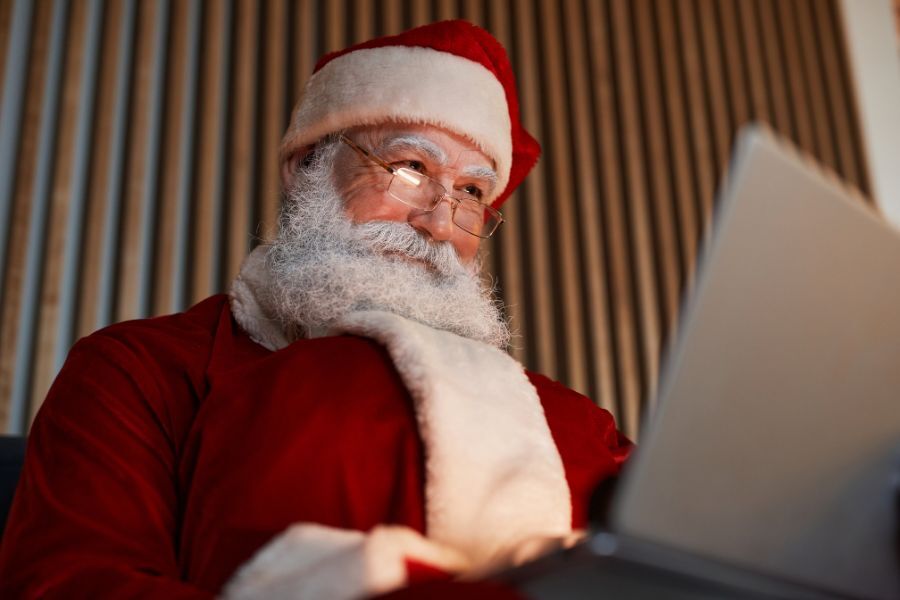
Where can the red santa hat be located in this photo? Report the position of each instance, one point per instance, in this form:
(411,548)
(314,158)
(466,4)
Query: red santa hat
(451,74)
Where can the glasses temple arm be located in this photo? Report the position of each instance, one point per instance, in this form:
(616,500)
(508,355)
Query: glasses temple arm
(366,154)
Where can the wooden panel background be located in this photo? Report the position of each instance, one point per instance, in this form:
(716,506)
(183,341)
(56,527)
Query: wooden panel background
(139,142)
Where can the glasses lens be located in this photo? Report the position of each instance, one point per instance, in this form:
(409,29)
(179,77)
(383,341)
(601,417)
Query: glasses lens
(420,191)
(475,218)
(415,189)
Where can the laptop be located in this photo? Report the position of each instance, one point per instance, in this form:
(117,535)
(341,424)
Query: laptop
(775,445)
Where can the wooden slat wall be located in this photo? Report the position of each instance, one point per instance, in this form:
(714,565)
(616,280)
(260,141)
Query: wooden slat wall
(139,146)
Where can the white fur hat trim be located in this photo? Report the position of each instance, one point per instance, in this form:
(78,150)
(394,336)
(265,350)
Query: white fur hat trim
(407,84)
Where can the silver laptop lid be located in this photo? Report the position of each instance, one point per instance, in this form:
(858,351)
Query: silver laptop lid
(778,422)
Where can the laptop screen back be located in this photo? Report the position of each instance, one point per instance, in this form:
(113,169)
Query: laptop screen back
(778,420)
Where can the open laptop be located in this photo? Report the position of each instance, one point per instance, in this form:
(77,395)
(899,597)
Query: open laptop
(776,440)
(768,468)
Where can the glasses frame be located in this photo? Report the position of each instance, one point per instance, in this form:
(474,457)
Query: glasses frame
(454,202)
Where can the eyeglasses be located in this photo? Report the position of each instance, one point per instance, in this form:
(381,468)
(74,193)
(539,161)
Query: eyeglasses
(421,191)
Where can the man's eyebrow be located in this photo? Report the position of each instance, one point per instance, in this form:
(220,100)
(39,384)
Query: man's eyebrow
(415,142)
(484,173)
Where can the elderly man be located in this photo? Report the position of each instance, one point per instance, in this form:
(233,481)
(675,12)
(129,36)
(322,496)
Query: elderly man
(344,421)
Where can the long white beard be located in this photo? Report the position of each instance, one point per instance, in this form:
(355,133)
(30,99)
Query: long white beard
(324,266)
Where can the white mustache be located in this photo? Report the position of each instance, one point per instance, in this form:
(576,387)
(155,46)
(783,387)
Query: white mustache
(385,237)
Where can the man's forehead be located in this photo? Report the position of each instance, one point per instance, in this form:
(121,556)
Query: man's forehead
(439,145)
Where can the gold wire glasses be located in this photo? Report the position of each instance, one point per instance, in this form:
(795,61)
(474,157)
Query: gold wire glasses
(421,191)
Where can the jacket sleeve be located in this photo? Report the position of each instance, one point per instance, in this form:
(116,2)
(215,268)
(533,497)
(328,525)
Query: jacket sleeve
(592,449)
(96,509)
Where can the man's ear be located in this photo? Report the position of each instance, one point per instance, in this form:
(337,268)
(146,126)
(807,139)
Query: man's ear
(291,164)
(289,167)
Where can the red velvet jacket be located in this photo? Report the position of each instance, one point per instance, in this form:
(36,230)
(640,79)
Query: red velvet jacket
(170,449)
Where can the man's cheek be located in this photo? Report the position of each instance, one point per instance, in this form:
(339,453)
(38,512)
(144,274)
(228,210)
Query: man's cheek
(372,205)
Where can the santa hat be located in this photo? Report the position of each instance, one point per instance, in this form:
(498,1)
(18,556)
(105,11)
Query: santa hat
(451,74)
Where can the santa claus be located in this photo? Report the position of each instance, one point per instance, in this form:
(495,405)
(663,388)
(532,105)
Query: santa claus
(345,420)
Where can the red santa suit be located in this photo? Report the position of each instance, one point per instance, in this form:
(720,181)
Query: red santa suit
(170,450)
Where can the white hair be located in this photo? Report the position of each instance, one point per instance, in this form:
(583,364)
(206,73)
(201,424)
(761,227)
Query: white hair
(325,266)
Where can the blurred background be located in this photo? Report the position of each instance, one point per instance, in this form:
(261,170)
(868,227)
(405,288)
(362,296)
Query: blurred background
(138,156)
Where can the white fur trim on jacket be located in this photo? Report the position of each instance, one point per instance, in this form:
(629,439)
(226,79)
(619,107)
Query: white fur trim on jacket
(493,476)
(323,563)
(495,486)
(410,85)
(250,301)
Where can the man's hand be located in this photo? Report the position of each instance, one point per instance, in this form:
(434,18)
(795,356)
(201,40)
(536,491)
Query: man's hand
(314,561)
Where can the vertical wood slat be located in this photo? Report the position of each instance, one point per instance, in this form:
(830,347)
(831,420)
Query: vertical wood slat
(391,21)
(272,116)
(166,273)
(813,84)
(6,32)
(600,239)
(210,141)
(596,314)
(187,146)
(334,28)
(303,41)
(220,215)
(654,152)
(421,12)
(702,147)
(91,272)
(115,174)
(753,54)
(731,34)
(240,173)
(137,175)
(362,23)
(17,39)
(836,93)
(620,281)
(67,212)
(569,325)
(23,191)
(39,202)
(638,217)
(508,243)
(58,207)
(859,152)
(715,91)
(776,79)
(799,101)
(491,254)
(542,354)
(148,215)
(679,141)
(473,10)
(446,9)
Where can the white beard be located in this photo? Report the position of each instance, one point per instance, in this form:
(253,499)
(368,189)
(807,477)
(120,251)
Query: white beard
(324,266)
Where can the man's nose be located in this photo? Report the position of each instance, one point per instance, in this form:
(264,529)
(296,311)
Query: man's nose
(436,225)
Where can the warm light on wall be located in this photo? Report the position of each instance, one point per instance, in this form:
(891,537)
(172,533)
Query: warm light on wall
(140,163)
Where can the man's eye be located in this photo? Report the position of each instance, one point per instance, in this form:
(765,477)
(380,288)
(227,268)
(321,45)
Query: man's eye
(473,190)
(415,165)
